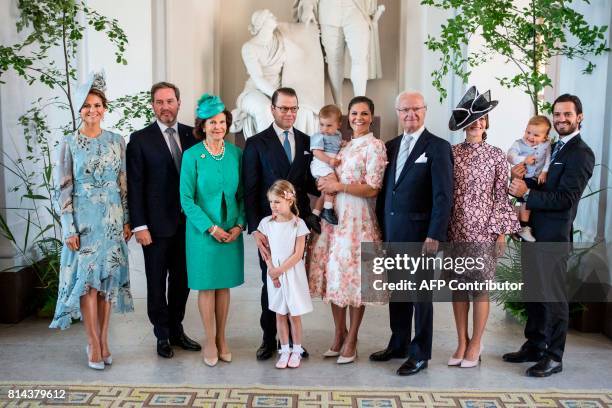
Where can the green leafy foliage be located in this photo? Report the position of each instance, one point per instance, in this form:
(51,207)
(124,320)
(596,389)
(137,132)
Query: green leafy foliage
(527,37)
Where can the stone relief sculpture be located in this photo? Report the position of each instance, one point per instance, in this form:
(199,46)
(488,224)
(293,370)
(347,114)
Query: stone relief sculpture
(279,54)
(351,24)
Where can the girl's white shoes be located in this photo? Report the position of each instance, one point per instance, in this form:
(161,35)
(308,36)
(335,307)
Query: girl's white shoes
(291,360)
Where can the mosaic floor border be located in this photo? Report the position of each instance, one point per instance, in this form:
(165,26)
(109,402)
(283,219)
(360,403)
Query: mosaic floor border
(35,394)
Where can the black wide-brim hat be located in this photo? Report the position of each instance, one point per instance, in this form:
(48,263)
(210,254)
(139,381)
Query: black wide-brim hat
(470,108)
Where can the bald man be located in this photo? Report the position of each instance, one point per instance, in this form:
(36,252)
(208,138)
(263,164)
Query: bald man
(414,205)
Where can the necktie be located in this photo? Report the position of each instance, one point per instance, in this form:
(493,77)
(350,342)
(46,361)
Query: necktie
(403,155)
(175,150)
(556,150)
(287,145)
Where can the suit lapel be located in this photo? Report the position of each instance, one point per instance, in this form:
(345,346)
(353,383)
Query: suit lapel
(158,142)
(393,153)
(276,152)
(298,160)
(417,150)
(184,137)
(567,147)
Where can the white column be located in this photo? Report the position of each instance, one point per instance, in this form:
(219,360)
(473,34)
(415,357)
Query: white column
(192,46)
(417,62)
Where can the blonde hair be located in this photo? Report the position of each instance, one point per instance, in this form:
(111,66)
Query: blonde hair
(329,111)
(538,120)
(285,190)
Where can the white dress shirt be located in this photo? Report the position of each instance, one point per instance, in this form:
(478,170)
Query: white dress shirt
(415,138)
(163,128)
(281,137)
(567,138)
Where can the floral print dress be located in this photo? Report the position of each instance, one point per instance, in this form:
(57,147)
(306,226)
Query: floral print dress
(92,198)
(481,207)
(335,255)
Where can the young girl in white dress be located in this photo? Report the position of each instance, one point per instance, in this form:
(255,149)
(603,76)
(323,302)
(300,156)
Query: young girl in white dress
(288,293)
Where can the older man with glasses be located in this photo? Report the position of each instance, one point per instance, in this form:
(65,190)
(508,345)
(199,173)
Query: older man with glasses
(414,205)
(279,152)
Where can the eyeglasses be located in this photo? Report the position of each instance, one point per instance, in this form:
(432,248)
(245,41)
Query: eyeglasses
(416,109)
(285,109)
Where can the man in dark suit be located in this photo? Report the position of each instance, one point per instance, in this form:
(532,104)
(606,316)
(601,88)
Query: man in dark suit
(414,206)
(153,168)
(553,208)
(279,152)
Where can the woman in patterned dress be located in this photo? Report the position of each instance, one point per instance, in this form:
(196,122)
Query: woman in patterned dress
(92,198)
(335,255)
(480,218)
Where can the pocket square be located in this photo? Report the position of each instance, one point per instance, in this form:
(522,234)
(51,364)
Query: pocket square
(558,163)
(421,159)
(306,152)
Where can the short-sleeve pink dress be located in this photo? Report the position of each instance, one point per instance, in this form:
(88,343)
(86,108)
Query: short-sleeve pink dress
(334,256)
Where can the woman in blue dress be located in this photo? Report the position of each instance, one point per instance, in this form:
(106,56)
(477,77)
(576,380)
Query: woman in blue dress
(90,175)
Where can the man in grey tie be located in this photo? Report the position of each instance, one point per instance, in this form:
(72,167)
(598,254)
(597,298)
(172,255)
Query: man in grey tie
(414,206)
(153,168)
(279,152)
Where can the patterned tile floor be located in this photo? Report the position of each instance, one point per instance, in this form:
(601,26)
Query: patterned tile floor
(16,395)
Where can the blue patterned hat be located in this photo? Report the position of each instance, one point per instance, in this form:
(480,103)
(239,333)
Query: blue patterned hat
(209,106)
(94,80)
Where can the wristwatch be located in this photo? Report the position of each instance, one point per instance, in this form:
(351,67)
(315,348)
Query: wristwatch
(526,195)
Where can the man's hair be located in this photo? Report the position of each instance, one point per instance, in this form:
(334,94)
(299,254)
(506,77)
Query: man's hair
(329,111)
(284,91)
(161,85)
(540,120)
(569,98)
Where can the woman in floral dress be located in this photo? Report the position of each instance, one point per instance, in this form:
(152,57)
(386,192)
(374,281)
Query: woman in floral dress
(92,198)
(334,265)
(480,218)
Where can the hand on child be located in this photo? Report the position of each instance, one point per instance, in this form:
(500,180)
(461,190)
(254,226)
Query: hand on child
(542,177)
(531,159)
(333,162)
(276,283)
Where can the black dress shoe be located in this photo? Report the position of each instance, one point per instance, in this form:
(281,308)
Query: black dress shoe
(265,351)
(185,343)
(329,215)
(523,355)
(412,366)
(545,368)
(163,349)
(386,355)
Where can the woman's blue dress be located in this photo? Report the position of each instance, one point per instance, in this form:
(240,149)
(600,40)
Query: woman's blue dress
(92,198)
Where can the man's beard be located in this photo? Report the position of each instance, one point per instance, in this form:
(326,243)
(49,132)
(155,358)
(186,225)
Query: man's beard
(571,129)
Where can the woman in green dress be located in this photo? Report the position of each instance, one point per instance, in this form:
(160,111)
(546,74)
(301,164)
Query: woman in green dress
(212,198)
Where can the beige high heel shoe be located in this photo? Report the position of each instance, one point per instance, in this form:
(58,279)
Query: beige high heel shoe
(227,357)
(472,363)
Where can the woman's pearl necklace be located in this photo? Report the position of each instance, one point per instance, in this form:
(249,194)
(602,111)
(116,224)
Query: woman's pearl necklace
(217,156)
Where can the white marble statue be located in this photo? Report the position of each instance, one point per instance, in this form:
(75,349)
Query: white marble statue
(279,54)
(351,24)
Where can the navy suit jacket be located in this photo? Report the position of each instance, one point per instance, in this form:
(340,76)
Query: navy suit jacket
(554,204)
(419,204)
(263,162)
(153,181)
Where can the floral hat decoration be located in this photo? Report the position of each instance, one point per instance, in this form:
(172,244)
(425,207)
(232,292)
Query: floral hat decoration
(470,108)
(208,106)
(95,80)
